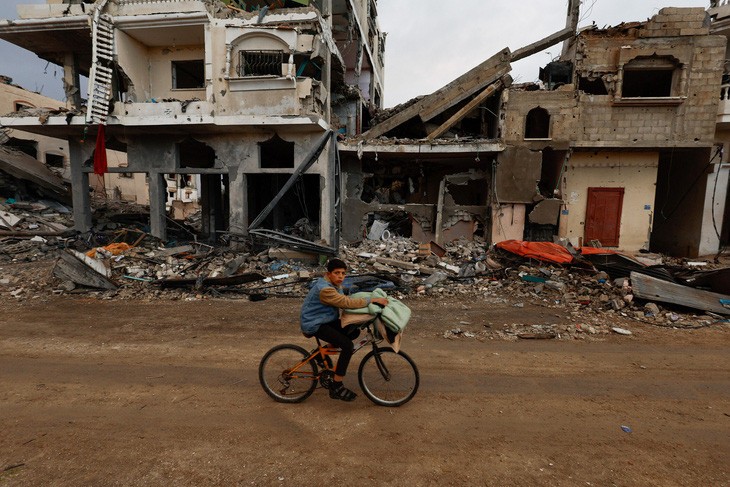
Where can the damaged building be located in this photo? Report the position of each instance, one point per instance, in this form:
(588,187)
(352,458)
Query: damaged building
(245,96)
(614,147)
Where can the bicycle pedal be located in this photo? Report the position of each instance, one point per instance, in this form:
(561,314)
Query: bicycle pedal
(326,379)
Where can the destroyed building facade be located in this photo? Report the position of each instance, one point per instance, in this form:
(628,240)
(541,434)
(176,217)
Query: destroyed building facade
(241,95)
(614,147)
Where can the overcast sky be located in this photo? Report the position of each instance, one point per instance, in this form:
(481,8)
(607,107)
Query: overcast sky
(429,43)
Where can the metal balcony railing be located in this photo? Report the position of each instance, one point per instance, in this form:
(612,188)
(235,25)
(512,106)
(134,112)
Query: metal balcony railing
(718,3)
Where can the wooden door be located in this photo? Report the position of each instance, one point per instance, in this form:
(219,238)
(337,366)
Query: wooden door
(603,216)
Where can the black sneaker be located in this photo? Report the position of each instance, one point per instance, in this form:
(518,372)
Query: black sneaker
(339,391)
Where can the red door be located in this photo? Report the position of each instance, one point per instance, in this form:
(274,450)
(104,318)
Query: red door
(603,215)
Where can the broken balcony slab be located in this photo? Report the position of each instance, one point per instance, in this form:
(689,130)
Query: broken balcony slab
(466,85)
(78,268)
(653,289)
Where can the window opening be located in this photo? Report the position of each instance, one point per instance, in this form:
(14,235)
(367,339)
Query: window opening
(260,63)
(276,153)
(30,147)
(192,153)
(649,77)
(188,74)
(54,160)
(592,86)
(537,124)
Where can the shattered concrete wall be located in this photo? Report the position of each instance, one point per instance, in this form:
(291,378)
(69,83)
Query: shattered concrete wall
(517,175)
(462,210)
(508,222)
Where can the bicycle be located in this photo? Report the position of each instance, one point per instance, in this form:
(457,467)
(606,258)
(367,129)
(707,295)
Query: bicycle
(290,374)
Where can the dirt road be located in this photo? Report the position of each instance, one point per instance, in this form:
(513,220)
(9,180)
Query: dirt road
(104,392)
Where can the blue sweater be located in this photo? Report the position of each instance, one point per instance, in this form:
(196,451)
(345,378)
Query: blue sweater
(314,312)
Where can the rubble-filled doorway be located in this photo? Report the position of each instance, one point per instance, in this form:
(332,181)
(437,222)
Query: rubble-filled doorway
(297,212)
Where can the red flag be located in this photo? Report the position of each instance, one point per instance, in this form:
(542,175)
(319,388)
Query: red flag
(100,152)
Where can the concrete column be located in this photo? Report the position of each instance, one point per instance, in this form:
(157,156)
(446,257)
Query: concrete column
(71,83)
(327,68)
(330,221)
(79,188)
(158,197)
(237,201)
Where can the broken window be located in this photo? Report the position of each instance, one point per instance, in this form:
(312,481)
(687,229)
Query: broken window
(594,86)
(537,124)
(260,63)
(188,74)
(276,153)
(54,160)
(192,153)
(309,68)
(649,77)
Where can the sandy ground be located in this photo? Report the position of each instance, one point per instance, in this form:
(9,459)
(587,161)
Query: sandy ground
(107,392)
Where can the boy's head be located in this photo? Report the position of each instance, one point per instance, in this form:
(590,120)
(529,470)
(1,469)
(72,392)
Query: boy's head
(336,270)
(336,264)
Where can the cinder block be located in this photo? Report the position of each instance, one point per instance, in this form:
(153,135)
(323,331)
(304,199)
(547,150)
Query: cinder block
(694,31)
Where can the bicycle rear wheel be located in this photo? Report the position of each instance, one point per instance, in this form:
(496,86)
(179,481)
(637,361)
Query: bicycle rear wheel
(285,376)
(388,378)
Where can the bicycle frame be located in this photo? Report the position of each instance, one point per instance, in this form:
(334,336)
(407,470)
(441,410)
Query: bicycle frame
(323,351)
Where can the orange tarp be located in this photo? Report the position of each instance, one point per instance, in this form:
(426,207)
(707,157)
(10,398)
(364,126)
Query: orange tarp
(546,251)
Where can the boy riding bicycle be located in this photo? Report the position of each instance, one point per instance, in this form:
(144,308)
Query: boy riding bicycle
(320,317)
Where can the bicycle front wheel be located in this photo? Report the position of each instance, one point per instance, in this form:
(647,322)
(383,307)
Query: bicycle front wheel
(388,378)
(285,374)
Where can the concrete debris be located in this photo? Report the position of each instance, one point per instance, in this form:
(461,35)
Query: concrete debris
(140,266)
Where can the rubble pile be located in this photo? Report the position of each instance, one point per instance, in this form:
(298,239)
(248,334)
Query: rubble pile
(119,260)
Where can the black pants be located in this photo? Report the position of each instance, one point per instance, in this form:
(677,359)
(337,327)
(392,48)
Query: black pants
(334,334)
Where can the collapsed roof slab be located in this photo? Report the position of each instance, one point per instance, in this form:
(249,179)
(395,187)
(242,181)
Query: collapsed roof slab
(466,85)
(22,166)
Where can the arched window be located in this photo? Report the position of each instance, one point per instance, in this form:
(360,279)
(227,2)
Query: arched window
(537,124)
(276,153)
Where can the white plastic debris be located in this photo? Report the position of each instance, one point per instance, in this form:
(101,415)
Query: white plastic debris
(621,331)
